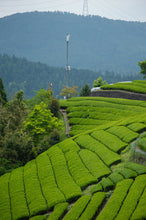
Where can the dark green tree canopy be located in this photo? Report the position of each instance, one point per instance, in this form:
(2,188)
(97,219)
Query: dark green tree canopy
(3,96)
(142,65)
(85,91)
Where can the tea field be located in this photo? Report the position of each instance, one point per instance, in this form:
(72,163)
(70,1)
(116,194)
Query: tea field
(87,176)
(138,86)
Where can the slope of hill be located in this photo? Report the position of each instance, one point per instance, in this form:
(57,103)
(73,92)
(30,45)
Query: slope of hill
(87,176)
(96,43)
(19,73)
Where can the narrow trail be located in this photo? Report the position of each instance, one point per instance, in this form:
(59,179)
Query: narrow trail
(63,112)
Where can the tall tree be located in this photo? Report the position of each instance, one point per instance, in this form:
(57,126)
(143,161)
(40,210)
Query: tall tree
(85,91)
(142,65)
(69,92)
(3,96)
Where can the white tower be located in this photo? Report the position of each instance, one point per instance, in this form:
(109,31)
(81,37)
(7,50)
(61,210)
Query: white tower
(85,8)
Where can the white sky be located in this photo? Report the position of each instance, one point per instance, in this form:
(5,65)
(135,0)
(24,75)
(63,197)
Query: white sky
(131,10)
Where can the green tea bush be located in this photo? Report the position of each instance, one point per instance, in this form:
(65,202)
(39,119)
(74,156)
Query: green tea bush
(96,188)
(78,208)
(107,184)
(109,140)
(79,172)
(142,143)
(35,200)
(58,211)
(64,180)
(93,206)
(123,133)
(68,145)
(139,169)
(112,207)
(107,156)
(18,202)
(140,211)
(94,163)
(132,198)
(115,177)
(137,127)
(127,173)
(5,211)
(50,190)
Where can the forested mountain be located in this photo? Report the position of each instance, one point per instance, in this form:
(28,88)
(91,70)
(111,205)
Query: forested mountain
(21,74)
(96,43)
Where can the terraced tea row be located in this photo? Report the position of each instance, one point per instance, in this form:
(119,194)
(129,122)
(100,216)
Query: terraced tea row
(88,113)
(138,86)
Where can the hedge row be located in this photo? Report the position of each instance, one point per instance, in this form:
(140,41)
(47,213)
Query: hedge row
(17,194)
(140,211)
(68,145)
(93,206)
(139,169)
(107,156)
(64,180)
(78,208)
(94,164)
(126,86)
(127,173)
(116,177)
(35,199)
(5,209)
(109,140)
(46,176)
(86,121)
(132,198)
(79,172)
(58,211)
(137,127)
(113,205)
(123,133)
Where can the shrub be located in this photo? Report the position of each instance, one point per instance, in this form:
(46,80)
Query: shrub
(142,143)
(58,211)
(54,137)
(139,169)
(54,106)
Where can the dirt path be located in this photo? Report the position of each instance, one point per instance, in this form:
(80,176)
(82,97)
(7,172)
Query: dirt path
(63,112)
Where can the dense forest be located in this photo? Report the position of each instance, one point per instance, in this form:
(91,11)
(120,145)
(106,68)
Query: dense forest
(20,74)
(96,43)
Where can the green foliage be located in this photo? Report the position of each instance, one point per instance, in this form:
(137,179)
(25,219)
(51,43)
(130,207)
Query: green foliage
(40,122)
(112,207)
(51,192)
(54,106)
(35,199)
(127,173)
(107,156)
(139,169)
(107,184)
(109,140)
(58,211)
(79,172)
(93,206)
(140,211)
(3,96)
(116,177)
(17,194)
(99,82)
(78,208)
(142,143)
(85,91)
(40,96)
(54,137)
(5,211)
(69,92)
(135,86)
(142,65)
(94,164)
(132,198)
(63,178)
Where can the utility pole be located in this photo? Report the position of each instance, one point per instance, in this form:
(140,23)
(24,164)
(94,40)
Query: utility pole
(67,66)
(85,8)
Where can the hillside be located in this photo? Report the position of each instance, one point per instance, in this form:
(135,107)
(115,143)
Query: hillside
(21,74)
(93,175)
(96,43)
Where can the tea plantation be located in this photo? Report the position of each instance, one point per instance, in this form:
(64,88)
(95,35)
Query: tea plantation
(87,176)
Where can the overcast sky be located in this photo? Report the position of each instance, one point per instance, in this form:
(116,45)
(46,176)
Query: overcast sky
(131,10)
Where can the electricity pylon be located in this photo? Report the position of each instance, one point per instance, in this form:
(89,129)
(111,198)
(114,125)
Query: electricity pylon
(85,8)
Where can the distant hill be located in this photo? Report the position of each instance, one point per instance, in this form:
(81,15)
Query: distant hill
(19,73)
(96,43)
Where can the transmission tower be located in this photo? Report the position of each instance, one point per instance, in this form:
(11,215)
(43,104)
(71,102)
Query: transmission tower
(85,8)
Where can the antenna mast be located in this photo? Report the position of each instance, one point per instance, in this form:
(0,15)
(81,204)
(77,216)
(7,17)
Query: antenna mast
(85,8)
